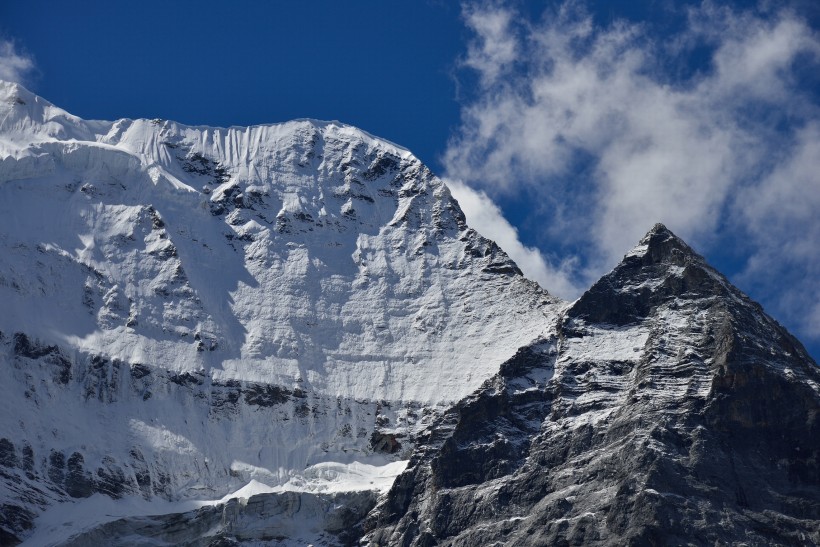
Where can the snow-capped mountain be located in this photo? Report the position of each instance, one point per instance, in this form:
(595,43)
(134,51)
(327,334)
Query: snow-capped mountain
(287,334)
(666,408)
(190,309)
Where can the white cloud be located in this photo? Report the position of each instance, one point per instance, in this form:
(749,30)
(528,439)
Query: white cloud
(486,218)
(780,213)
(600,125)
(13,65)
(498,45)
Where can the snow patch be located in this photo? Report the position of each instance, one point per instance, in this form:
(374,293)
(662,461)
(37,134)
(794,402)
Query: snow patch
(615,344)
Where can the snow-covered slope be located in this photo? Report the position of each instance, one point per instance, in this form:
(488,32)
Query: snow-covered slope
(186,309)
(293,253)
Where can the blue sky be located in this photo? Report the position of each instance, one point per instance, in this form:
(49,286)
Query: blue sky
(566,129)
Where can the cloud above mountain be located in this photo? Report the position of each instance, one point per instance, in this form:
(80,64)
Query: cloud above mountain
(710,125)
(14,65)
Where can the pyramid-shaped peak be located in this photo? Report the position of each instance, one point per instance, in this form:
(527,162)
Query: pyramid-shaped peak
(661,246)
(659,227)
(661,268)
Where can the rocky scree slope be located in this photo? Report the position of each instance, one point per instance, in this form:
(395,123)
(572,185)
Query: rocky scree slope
(665,409)
(187,309)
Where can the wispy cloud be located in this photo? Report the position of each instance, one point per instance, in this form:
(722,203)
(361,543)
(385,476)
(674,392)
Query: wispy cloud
(603,126)
(496,47)
(14,65)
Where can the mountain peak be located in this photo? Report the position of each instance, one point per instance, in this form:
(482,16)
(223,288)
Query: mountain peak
(658,234)
(304,283)
(653,417)
(12,90)
(661,246)
(661,267)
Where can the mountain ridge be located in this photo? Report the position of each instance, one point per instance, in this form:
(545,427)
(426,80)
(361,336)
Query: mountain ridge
(182,153)
(258,320)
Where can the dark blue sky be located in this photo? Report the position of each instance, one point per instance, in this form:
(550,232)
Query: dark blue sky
(395,69)
(389,67)
(386,67)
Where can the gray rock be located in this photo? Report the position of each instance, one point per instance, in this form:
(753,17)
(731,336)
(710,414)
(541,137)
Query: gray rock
(704,433)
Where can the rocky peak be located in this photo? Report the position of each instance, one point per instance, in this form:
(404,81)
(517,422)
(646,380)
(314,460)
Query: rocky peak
(661,246)
(661,268)
(669,409)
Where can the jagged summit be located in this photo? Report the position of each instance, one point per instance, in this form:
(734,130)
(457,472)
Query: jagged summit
(661,267)
(663,271)
(661,246)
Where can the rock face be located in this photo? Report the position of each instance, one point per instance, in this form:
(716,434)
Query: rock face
(665,409)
